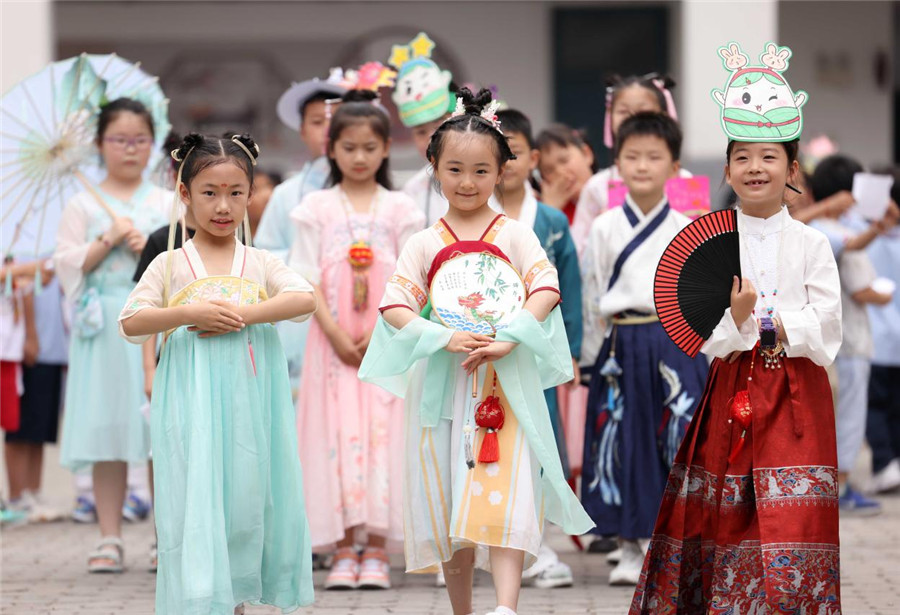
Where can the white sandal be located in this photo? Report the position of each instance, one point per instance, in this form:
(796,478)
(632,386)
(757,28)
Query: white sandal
(107,560)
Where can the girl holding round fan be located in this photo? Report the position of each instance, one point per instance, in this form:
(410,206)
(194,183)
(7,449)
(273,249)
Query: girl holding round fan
(749,519)
(226,466)
(347,239)
(482,468)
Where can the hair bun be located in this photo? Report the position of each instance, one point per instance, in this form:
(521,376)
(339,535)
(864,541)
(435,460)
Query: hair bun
(247,141)
(366,96)
(614,80)
(474,104)
(191,140)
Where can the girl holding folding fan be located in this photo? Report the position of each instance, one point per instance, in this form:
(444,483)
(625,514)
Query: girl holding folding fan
(749,520)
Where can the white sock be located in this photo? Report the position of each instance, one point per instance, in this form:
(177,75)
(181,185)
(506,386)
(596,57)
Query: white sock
(504,610)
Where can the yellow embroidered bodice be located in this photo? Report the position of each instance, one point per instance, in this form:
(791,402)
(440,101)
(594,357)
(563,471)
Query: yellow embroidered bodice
(220,288)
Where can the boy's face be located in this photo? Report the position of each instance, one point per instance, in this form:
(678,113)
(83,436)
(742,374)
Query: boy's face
(645,164)
(421,134)
(516,172)
(314,127)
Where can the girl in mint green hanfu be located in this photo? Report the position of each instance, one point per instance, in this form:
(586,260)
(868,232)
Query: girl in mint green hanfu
(95,258)
(456,513)
(229,503)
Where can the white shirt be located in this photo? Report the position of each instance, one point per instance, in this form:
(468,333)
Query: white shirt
(12,329)
(432,203)
(809,292)
(527,214)
(593,201)
(633,290)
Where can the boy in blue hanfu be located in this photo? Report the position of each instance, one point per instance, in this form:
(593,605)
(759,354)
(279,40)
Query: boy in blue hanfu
(643,388)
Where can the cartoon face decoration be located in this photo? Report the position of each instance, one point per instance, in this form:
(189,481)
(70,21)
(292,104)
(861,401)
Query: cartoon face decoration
(757,103)
(422,90)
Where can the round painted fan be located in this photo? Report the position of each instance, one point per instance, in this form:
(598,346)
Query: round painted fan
(692,288)
(477,292)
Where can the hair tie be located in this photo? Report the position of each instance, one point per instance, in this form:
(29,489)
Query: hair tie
(607,119)
(670,102)
(237,141)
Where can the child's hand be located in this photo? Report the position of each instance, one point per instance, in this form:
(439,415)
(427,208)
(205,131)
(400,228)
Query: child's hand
(742,301)
(558,192)
(346,349)
(214,318)
(135,240)
(30,350)
(363,344)
(463,341)
(119,230)
(486,354)
(576,381)
(149,373)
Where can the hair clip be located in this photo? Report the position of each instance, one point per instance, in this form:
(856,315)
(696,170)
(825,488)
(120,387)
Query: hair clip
(236,139)
(489,113)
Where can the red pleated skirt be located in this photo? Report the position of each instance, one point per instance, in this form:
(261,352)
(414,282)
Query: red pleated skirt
(759,534)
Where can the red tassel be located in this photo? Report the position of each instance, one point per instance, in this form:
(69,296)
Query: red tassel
(490,448)
(489,415)
(741,413)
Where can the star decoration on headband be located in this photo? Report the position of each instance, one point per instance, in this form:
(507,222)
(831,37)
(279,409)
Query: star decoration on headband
(422,46)
(419,47)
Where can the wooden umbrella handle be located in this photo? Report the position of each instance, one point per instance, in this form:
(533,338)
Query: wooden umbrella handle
(97,196)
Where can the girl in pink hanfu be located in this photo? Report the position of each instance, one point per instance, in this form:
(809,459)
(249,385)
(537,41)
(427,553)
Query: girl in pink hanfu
(347,242)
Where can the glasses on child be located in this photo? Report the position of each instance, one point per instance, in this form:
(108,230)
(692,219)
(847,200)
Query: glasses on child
(120,142)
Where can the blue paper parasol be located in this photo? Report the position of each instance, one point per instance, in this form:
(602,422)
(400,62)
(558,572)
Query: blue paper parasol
(48,124)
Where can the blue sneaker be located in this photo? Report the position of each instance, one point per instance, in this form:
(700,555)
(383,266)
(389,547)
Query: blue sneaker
(855,504)
(135,509)
(84,511)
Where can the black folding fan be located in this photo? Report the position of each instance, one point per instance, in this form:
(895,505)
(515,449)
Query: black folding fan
(692,288)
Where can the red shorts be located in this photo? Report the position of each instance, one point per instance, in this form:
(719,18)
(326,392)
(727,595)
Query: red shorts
(9,396)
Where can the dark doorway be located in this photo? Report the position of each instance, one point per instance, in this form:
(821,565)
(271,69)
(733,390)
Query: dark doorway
(592,43)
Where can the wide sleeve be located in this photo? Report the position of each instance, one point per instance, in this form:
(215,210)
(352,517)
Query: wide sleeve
(305,251)
(570,289)
(72,245)
(591,203)
(275,232)
(407,287)
(147,294)
(594,279)
(814,331)
(728,337)
(528,256)
(856,271)
(282,279)
(540,361)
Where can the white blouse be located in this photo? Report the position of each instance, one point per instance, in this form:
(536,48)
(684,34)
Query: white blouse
(808,302)
(259,266)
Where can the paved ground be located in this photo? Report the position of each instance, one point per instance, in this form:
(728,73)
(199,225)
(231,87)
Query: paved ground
(43,571)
